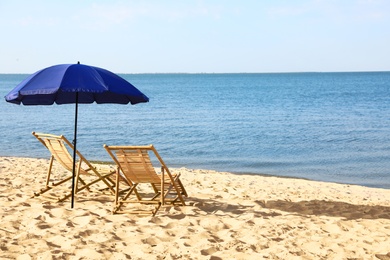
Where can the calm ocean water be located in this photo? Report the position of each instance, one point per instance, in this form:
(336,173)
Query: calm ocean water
(320,126)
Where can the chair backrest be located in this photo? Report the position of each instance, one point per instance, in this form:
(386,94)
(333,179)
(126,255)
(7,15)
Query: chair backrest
(59,148)
(135,162)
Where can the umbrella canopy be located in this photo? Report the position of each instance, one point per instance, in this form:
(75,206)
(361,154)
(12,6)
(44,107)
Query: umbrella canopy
(60,83)
(74,83)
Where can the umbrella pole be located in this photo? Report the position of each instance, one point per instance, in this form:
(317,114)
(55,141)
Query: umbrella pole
(74,148)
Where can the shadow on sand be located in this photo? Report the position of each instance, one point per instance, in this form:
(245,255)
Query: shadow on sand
(329,208)
(305,208)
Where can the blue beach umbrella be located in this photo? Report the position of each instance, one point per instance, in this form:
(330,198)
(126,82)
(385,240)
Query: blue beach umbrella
(74,84)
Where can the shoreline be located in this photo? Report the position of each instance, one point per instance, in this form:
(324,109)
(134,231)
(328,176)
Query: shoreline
(103,162)
(228,216)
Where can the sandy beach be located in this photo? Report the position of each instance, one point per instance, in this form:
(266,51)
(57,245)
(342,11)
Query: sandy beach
(227,216)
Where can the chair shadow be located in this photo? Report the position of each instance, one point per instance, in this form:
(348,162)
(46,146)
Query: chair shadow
(329,208)
(211,206)
(305,208)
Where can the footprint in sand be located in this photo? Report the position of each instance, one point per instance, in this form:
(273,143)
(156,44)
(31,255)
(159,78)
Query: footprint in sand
(208,251)
(151,241)
(82,220)
(383,256)
(171,225)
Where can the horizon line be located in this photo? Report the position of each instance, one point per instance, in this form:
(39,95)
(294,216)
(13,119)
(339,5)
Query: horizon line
(281,72)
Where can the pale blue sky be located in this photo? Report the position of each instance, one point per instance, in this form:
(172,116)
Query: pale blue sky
(193,36)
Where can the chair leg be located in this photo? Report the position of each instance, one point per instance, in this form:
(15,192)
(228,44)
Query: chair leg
(49,170)
(154,212)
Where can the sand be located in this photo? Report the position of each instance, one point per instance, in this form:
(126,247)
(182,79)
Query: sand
(227,216)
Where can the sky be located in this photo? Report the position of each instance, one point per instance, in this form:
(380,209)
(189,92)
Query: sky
(194,36)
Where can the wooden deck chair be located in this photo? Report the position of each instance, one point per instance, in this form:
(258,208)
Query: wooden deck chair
(135,165)
(59,148)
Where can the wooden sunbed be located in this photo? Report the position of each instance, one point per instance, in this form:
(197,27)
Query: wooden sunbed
(134,164)
(60,148)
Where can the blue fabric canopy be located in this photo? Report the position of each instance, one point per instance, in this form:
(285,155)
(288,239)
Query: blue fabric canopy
(60,83)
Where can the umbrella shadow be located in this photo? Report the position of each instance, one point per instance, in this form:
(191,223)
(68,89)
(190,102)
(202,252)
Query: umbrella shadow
(329,208)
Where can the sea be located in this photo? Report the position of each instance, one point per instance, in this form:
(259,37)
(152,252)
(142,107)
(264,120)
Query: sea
(331,127)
